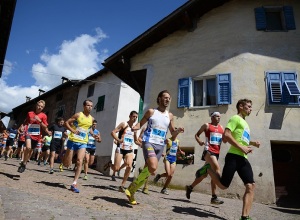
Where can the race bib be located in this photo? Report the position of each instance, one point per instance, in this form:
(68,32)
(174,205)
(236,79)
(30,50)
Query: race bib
(48,143)
(215,138)
(157,136)
(34,129)
(12,135)
(246,136)
(81,134)
(57,134)
(173,149)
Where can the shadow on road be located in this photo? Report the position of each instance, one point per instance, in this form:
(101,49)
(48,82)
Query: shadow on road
(110,187)
(120,202)
(60,185)
(14,177)
(290,211)
(196,212)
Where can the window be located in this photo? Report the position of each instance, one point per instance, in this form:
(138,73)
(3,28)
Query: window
(275,18)
(91,90)
(282,88)
(193,92)
(100,104)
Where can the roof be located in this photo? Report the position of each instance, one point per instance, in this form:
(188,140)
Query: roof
(47,94)
(7,10)
(184,17)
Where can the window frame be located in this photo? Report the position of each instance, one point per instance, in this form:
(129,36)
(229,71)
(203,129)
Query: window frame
(286,16)
(186,89)
(91,90)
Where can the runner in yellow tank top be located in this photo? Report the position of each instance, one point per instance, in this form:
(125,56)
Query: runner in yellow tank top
(79,125)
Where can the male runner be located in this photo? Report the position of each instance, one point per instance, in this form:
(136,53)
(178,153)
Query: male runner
(169,161)
(46,148)
(237,133)
(213,133)
(58,132)
(125,139)
(33,123)
(79,125)
(159,121)
(13,132)
(94,135)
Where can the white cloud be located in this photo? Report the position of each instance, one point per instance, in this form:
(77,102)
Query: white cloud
(76,59)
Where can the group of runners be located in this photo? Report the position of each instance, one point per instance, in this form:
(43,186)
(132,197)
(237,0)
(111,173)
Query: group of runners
(154,127)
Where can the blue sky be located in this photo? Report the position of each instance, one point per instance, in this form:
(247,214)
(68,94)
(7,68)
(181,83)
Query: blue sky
(71,38)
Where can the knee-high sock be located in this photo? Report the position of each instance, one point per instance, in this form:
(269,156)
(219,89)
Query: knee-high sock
(139,181)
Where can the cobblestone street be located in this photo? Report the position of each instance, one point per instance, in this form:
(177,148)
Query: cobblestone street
(35,194)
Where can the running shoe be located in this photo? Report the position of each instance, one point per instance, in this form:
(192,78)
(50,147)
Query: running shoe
(107,165)
(216,201)
(245,218)
(45,163)
(113,178)
(61,168)
(74,188)
(202,171)
(164,191)
(51,171)
(130,197)
(85,177)
(156,178)
(188,191)
(145,191)
(39,163)
(21,168)
(122,189)
(5,157)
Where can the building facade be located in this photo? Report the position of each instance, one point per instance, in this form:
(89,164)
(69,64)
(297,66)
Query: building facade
(223,51)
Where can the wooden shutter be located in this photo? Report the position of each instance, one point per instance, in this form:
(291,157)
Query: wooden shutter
(275,87)
(224,88)
(289,17)
(184,92)
(260,18)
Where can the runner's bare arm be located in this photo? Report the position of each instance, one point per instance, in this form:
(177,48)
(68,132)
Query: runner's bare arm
(228,136)
(255,143)
(203,128)
(70,121)
(144,120)
(117,130)
(172,129)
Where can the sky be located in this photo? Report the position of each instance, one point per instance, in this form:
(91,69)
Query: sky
(71,38)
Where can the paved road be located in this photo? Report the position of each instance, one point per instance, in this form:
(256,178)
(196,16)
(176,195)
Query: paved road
(35,194)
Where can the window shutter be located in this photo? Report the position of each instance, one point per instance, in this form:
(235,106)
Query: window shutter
(224,88)
(292,87)
(260,18)
(100,104)
(184,92)
(274,86)
(289,17)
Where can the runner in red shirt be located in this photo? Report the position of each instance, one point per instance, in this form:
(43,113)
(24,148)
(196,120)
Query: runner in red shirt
(213,135)
(33,123)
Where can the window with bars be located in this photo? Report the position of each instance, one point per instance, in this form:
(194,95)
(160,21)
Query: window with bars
(194,92)
(282,88)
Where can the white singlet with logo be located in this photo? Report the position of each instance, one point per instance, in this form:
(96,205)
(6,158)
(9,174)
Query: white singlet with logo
(157,128)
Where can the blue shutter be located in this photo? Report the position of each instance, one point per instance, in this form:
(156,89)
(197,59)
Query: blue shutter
(289,17)
(274,87)
(290,88)
(224,88)
(184,92)
(260,18)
